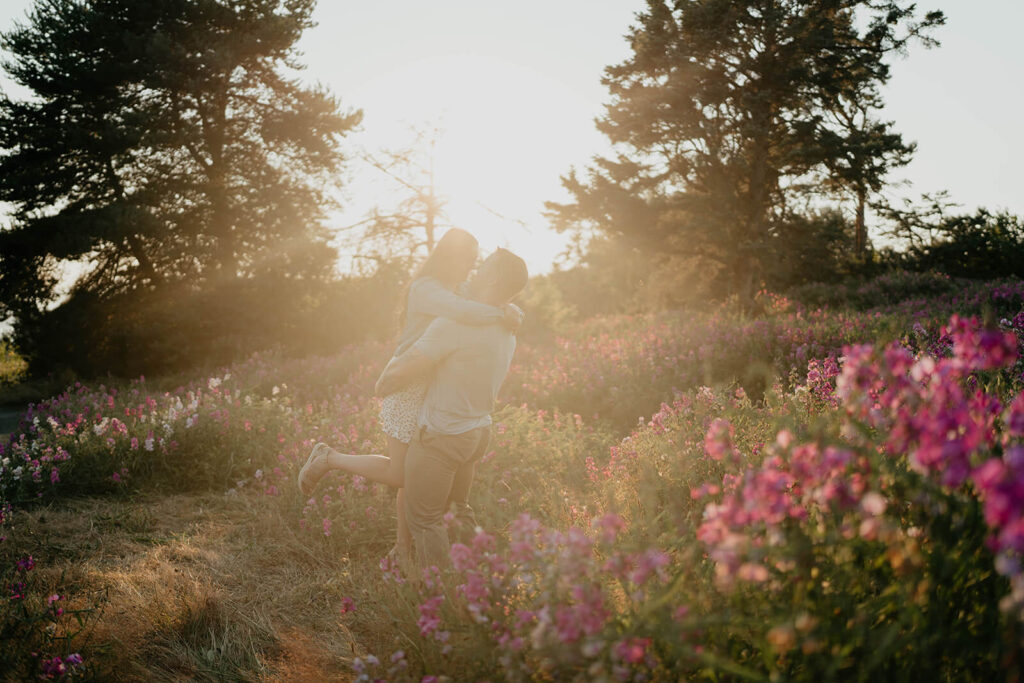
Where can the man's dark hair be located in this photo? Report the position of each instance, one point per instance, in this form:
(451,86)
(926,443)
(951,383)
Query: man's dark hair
(512,273)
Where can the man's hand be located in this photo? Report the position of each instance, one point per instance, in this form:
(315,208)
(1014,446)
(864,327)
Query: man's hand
(513,317)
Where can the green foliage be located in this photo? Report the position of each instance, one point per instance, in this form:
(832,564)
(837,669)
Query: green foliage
(549,312)
(810,248)
(12,365)
(613,276)
(983,245)
(610,278)
(884,290)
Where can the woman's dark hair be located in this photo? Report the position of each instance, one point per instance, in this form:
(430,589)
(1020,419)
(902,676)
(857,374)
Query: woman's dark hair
(441,263)
(447,255)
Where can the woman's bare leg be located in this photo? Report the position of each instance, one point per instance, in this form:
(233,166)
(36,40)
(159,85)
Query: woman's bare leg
(403,543)
(378,468)
(384,469)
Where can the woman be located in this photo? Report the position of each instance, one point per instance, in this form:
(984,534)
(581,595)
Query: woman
(431,294)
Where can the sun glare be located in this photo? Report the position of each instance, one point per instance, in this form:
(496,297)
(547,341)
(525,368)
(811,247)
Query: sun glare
(506,135)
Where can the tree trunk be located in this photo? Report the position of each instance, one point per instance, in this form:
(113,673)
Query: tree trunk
(145,264)
(860,230)
(222,223)
(431,204)
(747,273)
(763,177)
(429,222)
(757,221)
(135,245)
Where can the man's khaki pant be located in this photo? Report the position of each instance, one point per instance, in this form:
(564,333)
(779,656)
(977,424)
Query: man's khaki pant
(438,472)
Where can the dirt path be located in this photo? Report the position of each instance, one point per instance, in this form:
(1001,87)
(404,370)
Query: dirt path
(203,587)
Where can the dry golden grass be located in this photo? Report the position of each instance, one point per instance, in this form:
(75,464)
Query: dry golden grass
(203,587)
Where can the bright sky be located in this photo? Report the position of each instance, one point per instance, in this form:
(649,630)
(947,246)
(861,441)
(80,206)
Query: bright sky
(516,87)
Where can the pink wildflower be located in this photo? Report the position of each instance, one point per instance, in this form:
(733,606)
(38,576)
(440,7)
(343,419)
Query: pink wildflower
(719,440)
(632,650)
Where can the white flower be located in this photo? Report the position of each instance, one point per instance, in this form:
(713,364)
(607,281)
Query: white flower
(191,421)
(17,472)
(168,430)
(258,474)
(275,391)
(214,382)
(873,503)
(148,445)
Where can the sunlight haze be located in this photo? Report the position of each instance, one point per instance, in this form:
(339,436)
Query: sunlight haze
(298,381)
(514,89)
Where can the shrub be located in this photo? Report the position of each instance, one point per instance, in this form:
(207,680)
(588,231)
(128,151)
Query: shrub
(181,328)
(984,245)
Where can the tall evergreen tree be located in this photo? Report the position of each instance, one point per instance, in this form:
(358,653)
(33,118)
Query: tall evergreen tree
(166,143)
(723,118)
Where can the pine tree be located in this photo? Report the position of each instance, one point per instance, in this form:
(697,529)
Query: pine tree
(723,120)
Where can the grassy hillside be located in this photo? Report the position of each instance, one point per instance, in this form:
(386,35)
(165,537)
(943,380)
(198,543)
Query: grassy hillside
(814,493)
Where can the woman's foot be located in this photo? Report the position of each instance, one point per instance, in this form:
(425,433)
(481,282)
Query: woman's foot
(314,469)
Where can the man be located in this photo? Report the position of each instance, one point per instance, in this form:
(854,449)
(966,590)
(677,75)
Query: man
(470,364)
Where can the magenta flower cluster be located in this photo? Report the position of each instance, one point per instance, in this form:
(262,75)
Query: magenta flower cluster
(934,412)
(545,598)
(59,668)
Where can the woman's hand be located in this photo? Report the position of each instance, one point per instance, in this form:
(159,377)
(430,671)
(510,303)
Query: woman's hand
(513,317)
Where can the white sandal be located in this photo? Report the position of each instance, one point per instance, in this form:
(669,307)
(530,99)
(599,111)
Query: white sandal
(318,450)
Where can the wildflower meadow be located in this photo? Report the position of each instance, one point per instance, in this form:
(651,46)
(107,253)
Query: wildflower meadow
(830,489)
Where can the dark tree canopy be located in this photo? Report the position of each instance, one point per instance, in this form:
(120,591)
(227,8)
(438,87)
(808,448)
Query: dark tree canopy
(731,116)
(168,144)
(165,140)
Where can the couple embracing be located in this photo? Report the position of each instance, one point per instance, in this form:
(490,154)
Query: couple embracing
(438,392)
